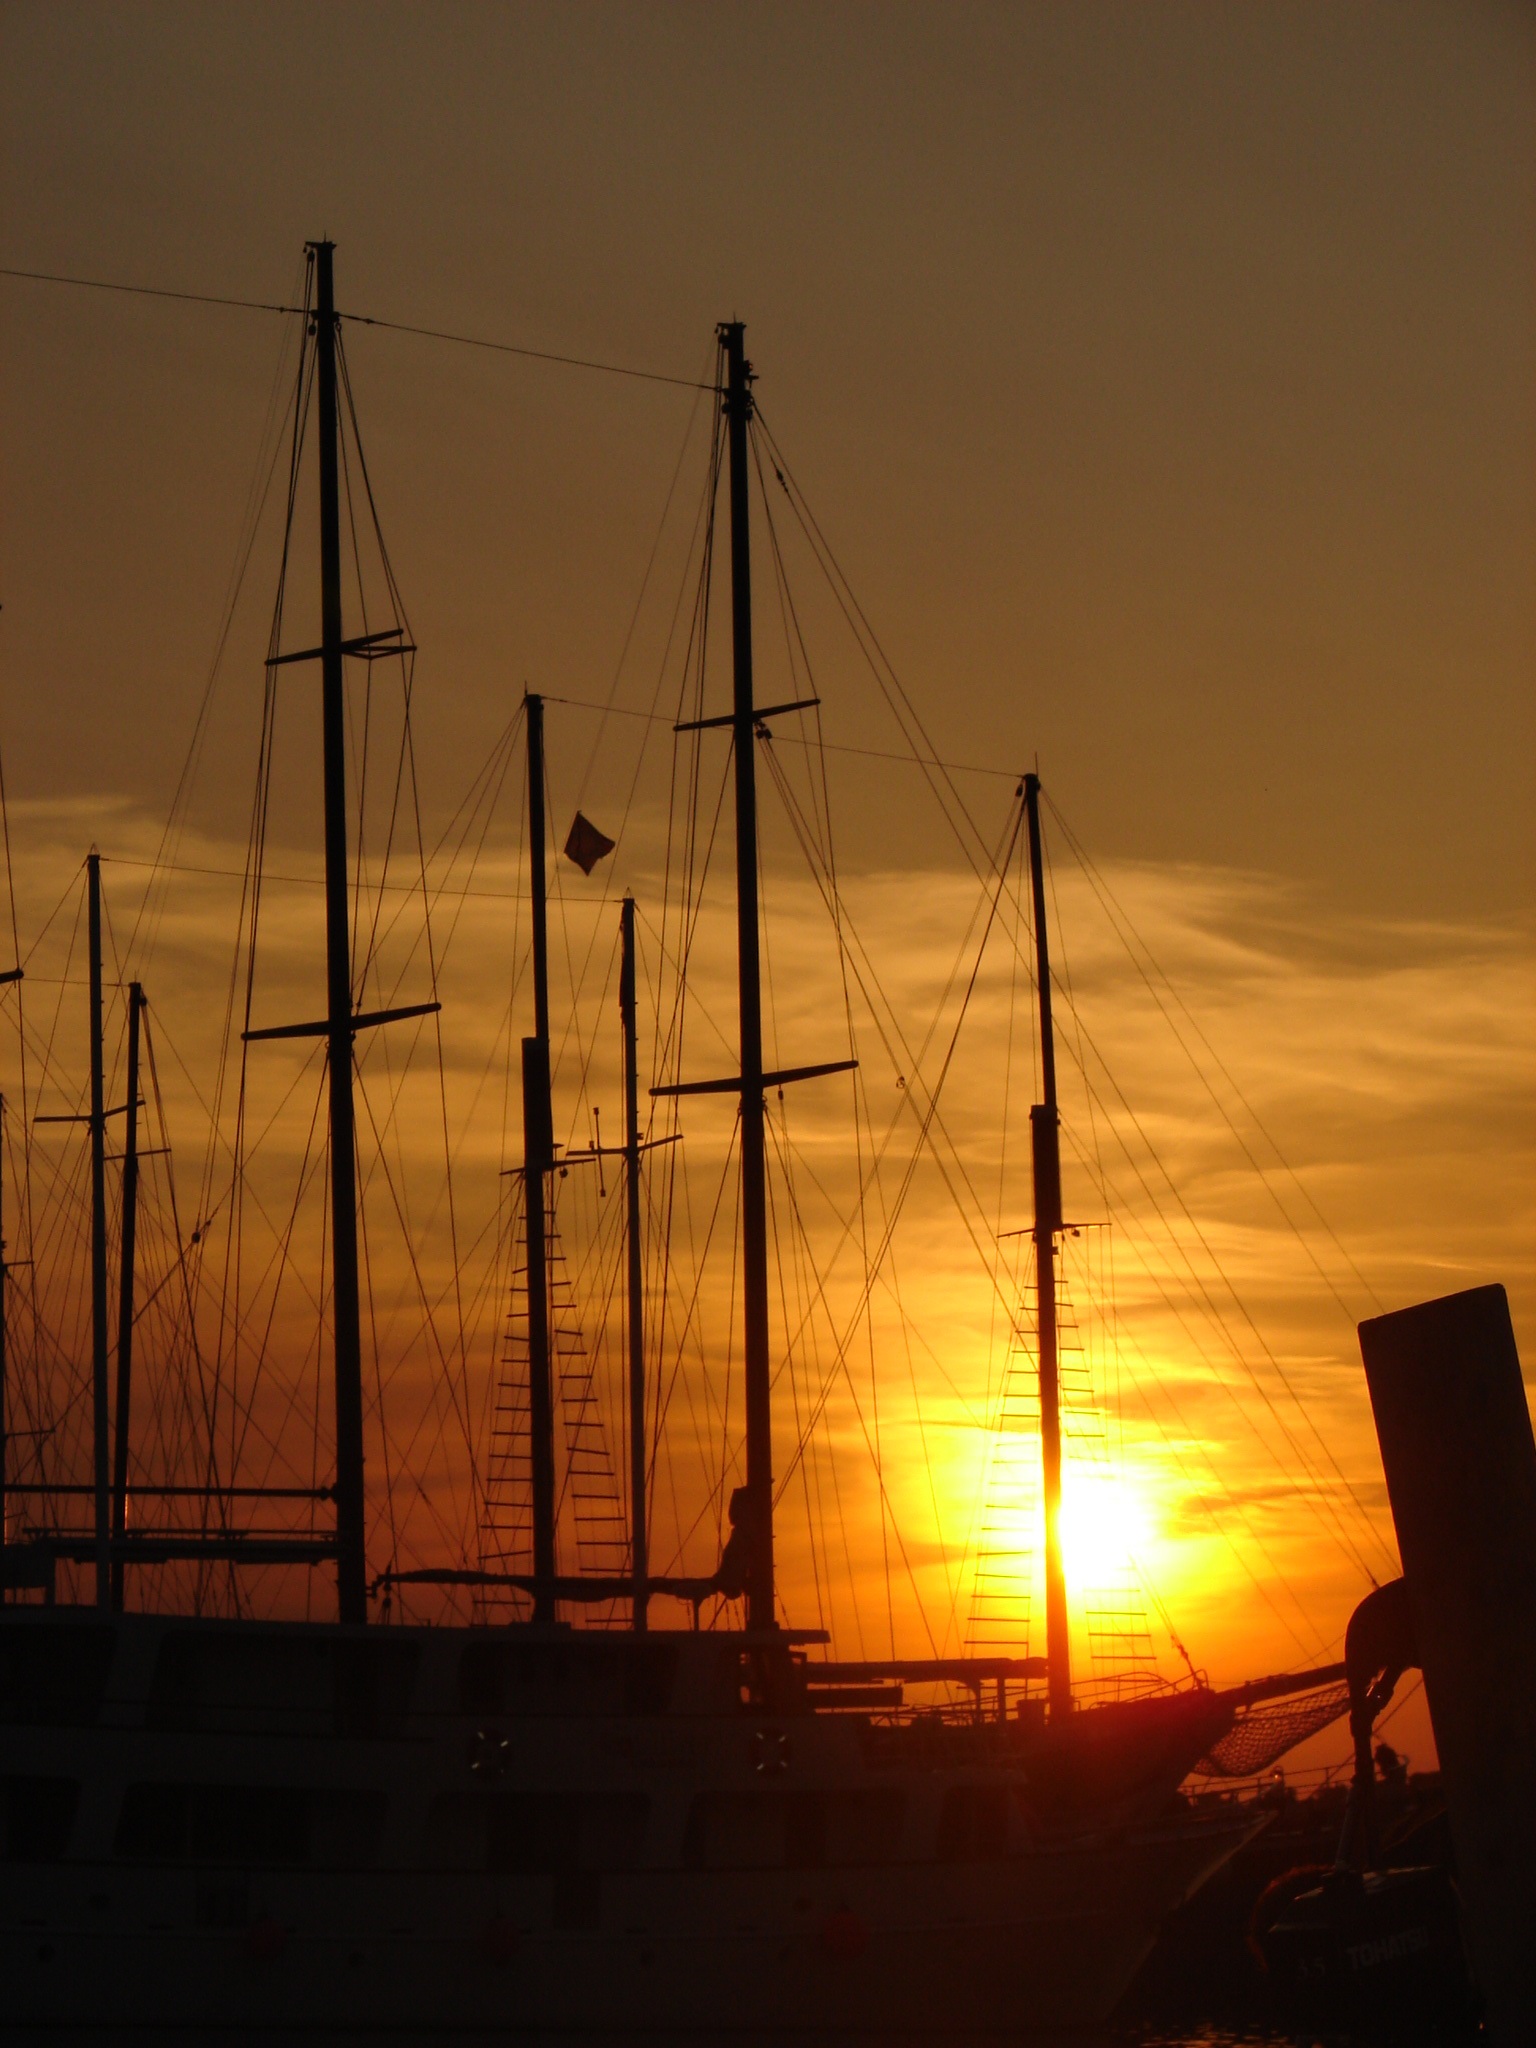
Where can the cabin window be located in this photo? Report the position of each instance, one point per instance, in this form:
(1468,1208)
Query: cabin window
(54,1673)
(566,1678)
(37,1816)
(864,1827)
(534,1832)
(973,1824)
(806,1830)
(279,1825)
(374,1682)
(282,1681)
(736,1831)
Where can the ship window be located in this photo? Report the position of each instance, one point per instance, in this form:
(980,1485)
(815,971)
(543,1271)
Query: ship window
(650,1671)
(204,1677)
(535,1832)
(284,1681)
(864,1826)
(53,1672)
(374,1682)
(735,1831)
(36,1817)
(973,1824)
(255,1824)
(799,1830)
(566,1678)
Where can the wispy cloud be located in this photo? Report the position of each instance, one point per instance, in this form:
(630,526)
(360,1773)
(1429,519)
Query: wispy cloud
(1239,1064)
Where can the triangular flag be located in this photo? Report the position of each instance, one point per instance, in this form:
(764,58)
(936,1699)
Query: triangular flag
(586,845)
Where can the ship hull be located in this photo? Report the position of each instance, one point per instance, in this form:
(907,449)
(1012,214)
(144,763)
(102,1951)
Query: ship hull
(257,1865)
(1031,1944)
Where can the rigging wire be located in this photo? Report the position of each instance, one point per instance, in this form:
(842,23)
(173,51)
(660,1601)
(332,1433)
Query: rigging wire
(1322,1492)
(263,475)
(790,740)
(150,291)
(925,1126)
(1118,915)
(817,827)
(505,348)
(537,355)
(910,723)
(634,617)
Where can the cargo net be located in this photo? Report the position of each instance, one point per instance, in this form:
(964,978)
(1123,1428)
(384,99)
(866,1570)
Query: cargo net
(1263,1734)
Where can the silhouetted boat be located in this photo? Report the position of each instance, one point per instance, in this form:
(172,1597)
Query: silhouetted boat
(1372,1954)
(1366,1944)
(528,1831)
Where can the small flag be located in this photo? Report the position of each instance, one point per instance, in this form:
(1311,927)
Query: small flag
(586,845)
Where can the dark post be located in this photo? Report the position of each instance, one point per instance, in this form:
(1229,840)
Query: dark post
(4,1503)
(639,1564)
(351,1559)
(1045,1136)
(754,1202)
(1460,1463)
(98,1130)
(125,1297)
(538,1161)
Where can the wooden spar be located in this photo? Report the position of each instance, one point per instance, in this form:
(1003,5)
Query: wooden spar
(538,1160)
(1045,1136)
(125,1267)
(98,1135)
(638,1561)
(754,1203)
(351,1558)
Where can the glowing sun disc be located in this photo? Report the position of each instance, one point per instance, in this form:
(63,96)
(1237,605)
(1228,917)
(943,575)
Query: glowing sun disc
(1104,1527)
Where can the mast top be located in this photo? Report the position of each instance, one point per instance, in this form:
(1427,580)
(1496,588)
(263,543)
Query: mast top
(737,395)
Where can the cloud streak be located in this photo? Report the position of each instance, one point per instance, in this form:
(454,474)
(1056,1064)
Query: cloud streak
(1279,1064)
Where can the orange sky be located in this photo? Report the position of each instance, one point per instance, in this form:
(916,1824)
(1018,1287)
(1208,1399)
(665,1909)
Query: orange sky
(1162,382)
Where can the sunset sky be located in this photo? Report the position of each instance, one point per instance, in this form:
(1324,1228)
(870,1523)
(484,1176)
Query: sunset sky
(1160,379)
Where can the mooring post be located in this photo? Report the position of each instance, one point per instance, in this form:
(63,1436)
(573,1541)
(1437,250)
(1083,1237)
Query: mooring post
(1460,1463)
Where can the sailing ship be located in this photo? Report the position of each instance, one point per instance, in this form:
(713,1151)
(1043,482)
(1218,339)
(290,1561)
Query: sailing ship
(523,1828)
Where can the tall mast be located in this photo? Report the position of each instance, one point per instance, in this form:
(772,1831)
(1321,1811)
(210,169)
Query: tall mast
(351,1561)
(1045,1136)
(125,1296)
(754,1205)
(538,1161)
(638,1562)
(755,1524)
(98,1131)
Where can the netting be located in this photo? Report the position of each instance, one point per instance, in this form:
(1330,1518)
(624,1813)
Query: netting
(1263,1734)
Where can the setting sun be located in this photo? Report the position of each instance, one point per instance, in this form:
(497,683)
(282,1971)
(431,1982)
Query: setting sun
(1105,1526)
